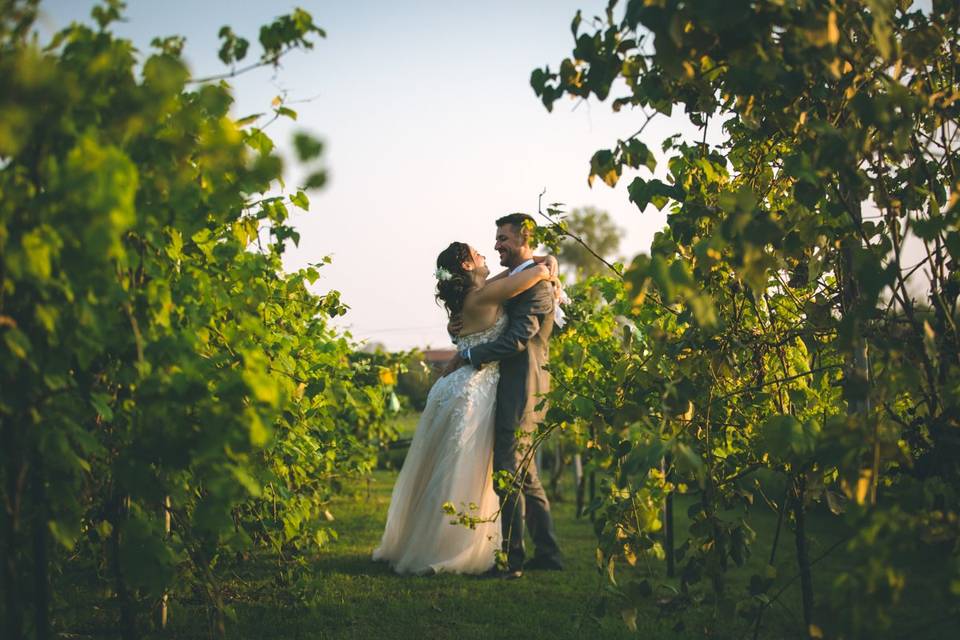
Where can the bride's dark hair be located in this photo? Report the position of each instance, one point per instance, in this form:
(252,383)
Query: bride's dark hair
(453,290)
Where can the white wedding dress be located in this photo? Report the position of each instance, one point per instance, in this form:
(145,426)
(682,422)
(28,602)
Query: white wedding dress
(450,460)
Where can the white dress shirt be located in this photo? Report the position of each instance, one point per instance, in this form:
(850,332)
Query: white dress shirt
(521,267)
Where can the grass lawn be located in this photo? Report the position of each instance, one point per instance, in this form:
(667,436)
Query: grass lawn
(356,598)
(352,597)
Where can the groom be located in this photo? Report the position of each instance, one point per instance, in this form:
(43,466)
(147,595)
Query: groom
(522,351)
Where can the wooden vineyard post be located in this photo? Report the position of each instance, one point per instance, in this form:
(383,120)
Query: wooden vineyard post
(668,520)
(578,481)
(164,601)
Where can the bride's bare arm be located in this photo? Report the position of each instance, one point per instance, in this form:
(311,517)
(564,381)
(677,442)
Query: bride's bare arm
(500,276)
(549,261)
(501,290)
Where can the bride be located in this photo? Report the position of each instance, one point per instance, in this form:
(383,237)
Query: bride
(451,456)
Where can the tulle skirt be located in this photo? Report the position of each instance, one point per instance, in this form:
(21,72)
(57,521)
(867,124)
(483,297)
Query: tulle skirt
(450,460)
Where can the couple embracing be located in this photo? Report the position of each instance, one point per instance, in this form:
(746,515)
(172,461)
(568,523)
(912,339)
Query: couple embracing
(479,418)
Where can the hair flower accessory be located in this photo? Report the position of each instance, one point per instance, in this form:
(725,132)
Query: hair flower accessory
(442,274)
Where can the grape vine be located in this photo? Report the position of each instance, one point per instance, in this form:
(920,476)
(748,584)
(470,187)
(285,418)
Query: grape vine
(772,336)
(171,398)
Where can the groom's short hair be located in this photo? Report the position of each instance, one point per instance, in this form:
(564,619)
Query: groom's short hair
(520,221)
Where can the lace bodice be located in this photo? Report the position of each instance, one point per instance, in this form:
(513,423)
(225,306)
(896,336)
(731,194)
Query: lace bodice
(467,385)
(479,337)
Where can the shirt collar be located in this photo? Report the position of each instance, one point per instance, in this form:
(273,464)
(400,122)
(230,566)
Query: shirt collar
(521,267)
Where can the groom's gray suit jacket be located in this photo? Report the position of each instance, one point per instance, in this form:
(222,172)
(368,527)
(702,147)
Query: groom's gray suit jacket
(522,350)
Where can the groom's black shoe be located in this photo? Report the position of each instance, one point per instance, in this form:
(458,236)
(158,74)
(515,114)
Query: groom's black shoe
(544,563)
(504,574)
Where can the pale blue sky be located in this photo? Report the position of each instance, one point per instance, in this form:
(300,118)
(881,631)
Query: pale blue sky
(432,132)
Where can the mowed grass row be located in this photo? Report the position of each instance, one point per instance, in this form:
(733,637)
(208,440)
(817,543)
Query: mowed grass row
(342,594)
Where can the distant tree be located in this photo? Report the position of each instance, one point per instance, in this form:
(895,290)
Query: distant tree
(598,230)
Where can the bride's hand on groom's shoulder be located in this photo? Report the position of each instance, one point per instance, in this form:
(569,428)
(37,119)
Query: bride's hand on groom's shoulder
(550,262)
(553,266)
